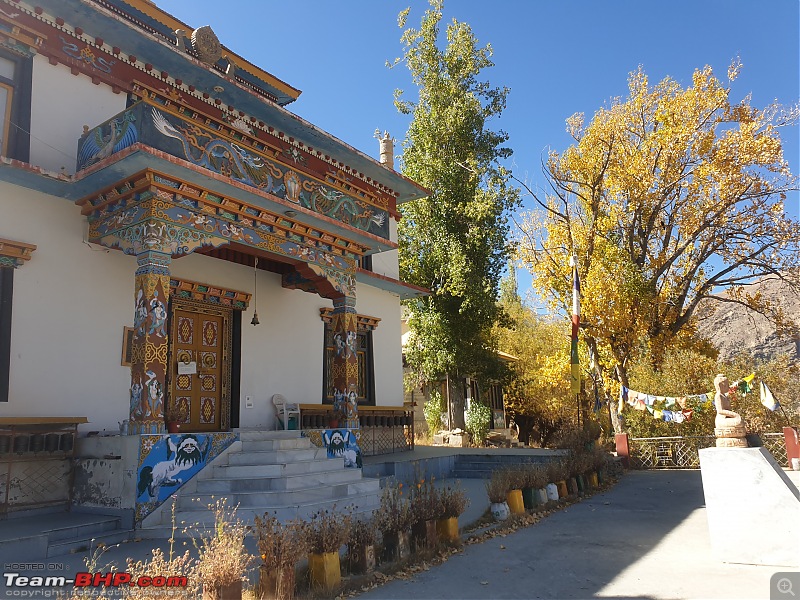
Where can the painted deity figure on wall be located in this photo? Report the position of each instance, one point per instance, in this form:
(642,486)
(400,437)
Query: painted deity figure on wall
(140,315)
(351,408)
(155,394)
(339,402)
(352,339)
(339,343)
(184,453)
(137,408)
(343,444)
(158,320)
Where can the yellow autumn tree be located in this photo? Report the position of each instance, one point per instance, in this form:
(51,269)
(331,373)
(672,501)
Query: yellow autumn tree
(537,393)
(666,198)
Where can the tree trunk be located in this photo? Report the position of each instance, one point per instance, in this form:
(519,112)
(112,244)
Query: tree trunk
(616,418)
(456,402)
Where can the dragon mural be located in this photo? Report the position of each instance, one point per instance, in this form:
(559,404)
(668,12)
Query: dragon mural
(231,160)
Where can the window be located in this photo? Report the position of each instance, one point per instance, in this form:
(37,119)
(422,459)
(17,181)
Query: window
(15,105)
(6,291)
(12,255)
(495,396)
(366,372)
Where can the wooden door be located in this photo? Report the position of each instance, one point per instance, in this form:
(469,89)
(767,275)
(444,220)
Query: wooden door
(200,365)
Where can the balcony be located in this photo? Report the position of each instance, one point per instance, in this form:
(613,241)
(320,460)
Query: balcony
(224,159)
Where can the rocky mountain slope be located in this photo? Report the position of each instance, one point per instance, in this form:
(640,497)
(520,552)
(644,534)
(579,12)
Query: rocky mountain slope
(733,329)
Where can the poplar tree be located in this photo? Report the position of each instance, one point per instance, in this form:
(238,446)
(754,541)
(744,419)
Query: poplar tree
(671,197)
(454,242)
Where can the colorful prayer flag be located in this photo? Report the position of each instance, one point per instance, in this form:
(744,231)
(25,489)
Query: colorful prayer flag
(746,384)
(767,399)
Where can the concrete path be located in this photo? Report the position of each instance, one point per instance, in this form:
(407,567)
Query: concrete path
(647,537)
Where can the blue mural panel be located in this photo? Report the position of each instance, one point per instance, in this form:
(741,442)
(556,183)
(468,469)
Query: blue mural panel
(343,443)
(168,461)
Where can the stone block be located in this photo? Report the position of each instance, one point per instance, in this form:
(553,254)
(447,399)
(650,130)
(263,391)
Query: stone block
(457,441)
(752,506)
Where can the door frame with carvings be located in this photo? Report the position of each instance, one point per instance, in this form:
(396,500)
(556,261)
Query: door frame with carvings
(226,352)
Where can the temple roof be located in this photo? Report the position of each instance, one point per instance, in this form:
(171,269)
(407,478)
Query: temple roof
(139,28)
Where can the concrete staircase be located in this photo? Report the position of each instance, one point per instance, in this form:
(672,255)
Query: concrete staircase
(275,472)
(481,466)
(54,534)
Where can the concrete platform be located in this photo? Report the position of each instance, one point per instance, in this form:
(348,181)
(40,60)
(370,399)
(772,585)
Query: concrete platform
(753,508)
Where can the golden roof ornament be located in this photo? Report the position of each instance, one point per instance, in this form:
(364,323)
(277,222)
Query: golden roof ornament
(206,45)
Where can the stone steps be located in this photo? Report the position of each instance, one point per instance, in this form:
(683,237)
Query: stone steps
(273,472)
(200,521)
(478,466)
(58,533)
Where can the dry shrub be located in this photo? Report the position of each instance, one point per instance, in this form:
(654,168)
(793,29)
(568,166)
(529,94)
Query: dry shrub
(556,471)
(395,513)
(425,501)
(453,502)
(534,476)
(328,531)
(497,486)
(281,547)
(223,558)
(171,565)
(363,532)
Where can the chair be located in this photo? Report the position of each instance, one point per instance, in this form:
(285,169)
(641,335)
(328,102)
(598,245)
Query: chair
(284,411)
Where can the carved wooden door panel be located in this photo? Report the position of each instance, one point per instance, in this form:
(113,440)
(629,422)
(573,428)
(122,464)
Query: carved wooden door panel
(200,365)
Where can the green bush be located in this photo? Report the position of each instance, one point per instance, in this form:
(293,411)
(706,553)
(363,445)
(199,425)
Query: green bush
(433,411)
(478,419)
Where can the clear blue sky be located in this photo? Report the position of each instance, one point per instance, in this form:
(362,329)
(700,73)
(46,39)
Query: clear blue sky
(557,56)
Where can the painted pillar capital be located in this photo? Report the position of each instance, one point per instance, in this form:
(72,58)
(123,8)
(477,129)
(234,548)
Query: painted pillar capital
(14,254)
(155,235)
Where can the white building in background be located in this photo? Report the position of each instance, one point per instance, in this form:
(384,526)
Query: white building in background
(155,194)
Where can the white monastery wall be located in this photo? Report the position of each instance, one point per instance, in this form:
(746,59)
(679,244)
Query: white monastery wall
(71,301)
(387,351)
(61,104)
(386,263)
(70,305)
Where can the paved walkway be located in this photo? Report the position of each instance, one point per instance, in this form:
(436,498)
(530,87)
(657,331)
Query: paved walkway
(646,537)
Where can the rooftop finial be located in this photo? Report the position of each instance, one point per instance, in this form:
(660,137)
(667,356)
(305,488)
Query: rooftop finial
(387,148)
